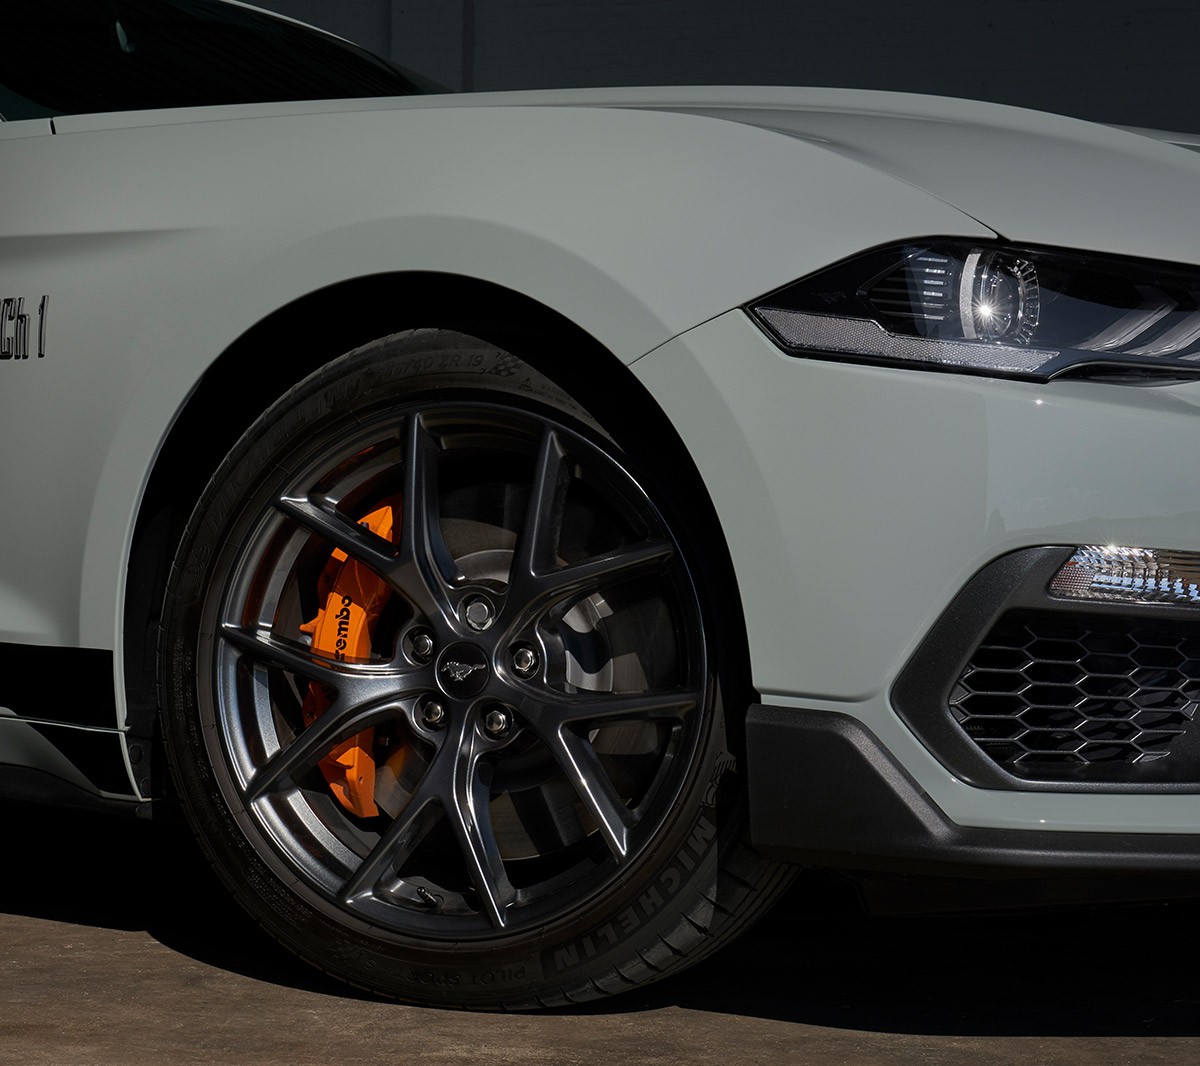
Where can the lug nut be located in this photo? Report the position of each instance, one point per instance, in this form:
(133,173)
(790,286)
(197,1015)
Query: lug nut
(422,645)
(478,613)
(524,660)
(496,722)
(433,714)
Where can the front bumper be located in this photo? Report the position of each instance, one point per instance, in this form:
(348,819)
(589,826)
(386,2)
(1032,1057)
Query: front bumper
(858,501)
(823,790)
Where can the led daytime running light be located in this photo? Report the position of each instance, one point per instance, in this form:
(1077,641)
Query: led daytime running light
(1129,575)
(860,336)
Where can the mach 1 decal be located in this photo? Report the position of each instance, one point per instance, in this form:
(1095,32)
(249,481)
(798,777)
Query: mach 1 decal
(16,324)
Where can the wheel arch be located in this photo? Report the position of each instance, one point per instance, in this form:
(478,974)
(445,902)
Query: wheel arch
(311,331)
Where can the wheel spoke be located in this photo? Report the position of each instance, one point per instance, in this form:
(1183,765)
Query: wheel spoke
(588,777)
(357,682)
(398,842)
(543,516)
(429,571)
(470,815)
(617,706)
(287,655)
(320,515)
(588,576)
(304,752)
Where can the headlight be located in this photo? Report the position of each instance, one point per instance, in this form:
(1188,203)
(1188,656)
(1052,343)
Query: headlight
(996,309)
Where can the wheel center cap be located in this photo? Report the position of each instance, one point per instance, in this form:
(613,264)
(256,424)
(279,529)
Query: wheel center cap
(462,670)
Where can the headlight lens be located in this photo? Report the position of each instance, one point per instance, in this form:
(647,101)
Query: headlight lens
(996,309)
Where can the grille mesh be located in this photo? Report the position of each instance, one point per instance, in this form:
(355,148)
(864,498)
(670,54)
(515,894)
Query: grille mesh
(1049,691)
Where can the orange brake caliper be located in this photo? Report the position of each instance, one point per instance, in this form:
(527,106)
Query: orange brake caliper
(354,597)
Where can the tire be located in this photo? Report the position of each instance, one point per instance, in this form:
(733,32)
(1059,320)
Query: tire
(503,778)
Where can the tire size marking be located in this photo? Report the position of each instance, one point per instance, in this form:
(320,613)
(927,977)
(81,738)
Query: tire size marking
(432,977)
(441,362)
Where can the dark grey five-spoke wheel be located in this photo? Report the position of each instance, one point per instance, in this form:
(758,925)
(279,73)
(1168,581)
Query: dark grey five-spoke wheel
(446,715)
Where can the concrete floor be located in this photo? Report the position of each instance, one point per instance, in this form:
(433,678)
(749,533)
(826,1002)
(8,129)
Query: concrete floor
(116,946)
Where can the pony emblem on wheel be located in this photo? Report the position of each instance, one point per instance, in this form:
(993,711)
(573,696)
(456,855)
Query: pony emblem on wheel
(461,671)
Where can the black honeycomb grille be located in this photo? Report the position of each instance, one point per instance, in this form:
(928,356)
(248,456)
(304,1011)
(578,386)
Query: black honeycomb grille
(1047,693)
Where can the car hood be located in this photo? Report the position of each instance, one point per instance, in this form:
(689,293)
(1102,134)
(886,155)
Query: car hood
(1028,175)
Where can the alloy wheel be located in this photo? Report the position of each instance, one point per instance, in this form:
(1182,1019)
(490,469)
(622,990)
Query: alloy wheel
(524,695)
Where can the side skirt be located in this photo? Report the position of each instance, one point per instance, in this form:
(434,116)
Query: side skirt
(58,737)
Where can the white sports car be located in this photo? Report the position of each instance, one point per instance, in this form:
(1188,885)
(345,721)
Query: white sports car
(517,527)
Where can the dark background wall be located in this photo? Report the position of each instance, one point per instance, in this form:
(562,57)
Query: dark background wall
(1111,60)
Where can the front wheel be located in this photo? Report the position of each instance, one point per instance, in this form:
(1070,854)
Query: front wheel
(440,696)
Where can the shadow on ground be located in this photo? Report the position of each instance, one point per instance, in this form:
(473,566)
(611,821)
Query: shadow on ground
(819,958)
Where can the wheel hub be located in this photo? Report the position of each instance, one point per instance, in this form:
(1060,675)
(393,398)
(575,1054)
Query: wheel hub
(463,670)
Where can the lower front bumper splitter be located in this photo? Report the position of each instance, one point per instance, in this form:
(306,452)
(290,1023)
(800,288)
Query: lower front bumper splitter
(824,791)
